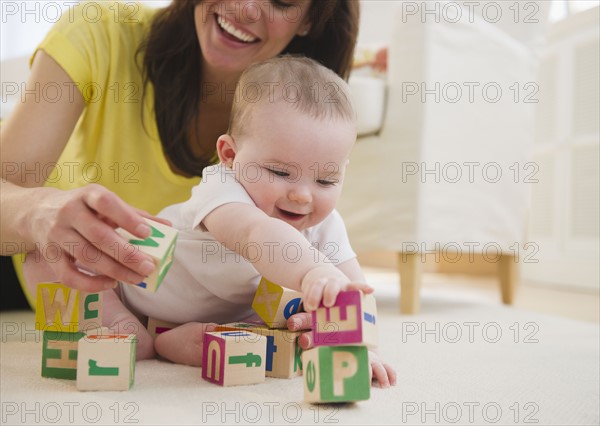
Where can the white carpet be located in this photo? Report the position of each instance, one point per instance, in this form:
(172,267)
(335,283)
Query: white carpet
(548,373)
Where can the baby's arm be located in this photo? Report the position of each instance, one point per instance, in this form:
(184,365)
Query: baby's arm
(239,226)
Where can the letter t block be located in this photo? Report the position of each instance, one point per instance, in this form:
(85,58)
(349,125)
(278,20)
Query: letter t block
(234,357)
(275,304)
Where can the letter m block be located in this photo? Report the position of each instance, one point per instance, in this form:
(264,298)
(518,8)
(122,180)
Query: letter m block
(60,308)
(352,320)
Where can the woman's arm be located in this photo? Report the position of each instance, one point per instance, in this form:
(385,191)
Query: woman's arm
(34,217)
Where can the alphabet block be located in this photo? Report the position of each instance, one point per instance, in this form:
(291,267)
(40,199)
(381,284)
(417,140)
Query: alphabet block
(283,358)
(160,245)
(275,304)
(60,308)
(59,354)
(336,374)
(156,327)
(352,320)
(234,357)
(106,362)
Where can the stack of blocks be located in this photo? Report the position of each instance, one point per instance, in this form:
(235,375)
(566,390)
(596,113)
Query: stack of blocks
(337,368)
(270,350)
(75,346)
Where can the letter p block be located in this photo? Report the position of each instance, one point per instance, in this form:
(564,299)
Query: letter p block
(336,374)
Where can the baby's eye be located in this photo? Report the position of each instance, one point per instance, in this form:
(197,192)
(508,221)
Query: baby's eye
(278,172)
(326,182)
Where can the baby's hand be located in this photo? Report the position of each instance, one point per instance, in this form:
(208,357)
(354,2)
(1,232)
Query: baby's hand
(383,374)
(325,283)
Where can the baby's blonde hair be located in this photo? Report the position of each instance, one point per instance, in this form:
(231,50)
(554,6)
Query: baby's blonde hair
(301,82)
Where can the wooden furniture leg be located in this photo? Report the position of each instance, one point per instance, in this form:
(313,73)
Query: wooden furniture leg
(409,265)
(508,272)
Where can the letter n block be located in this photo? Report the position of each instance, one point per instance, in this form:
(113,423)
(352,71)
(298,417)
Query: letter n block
(336,374)
(59,354)
(160,245)
(275,304)
(283,358)
(352,320)
(234,357)
(60,308)
(106,362)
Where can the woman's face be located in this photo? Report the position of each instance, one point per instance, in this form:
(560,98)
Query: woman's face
(236,33)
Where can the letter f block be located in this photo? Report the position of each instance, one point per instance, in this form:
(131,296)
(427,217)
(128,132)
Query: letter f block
(106,362)
(160,245)
(275,304)
(234,357)
(60,308)
(352,320)
(336,374)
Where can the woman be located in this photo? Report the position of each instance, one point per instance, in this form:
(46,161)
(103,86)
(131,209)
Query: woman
(140,97)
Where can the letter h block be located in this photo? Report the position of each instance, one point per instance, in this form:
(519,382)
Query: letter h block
(59,354)
(60,308)
(160,245)
(106,362)
(283,358)
(234,357)
(350,321)
(336,374)
(275,304)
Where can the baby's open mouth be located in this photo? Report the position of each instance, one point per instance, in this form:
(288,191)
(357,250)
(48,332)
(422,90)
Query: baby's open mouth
(290,215)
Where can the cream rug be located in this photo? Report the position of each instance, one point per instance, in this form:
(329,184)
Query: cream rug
(462,361)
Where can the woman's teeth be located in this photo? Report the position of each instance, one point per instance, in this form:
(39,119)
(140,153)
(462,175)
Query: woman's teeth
(231,30)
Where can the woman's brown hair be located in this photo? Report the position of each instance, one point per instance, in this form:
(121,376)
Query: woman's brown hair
(172,63)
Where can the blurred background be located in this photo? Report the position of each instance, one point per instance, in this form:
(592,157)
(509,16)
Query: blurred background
(477,160)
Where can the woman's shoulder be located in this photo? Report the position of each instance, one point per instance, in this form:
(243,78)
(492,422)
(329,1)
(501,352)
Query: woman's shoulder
(105,18)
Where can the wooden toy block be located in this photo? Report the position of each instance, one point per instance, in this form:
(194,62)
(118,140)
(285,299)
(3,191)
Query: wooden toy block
(156,327)
(283,359)
(59,354)
(160,245)
(275,304)
(352,320)
(336,374)
(106,362)
(234,357)
(60,308)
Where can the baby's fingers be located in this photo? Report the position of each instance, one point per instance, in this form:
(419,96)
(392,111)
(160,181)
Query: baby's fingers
(380,374)
(365,288)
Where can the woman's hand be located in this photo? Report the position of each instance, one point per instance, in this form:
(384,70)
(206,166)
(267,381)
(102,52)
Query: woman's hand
(383,374)
(75,230)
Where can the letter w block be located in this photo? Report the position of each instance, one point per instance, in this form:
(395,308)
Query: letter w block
(60,308)
(160,245)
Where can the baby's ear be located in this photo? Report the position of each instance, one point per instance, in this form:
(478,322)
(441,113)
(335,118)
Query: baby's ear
(226,149)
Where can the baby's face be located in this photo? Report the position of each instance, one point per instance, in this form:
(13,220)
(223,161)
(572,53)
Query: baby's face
(293,165)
